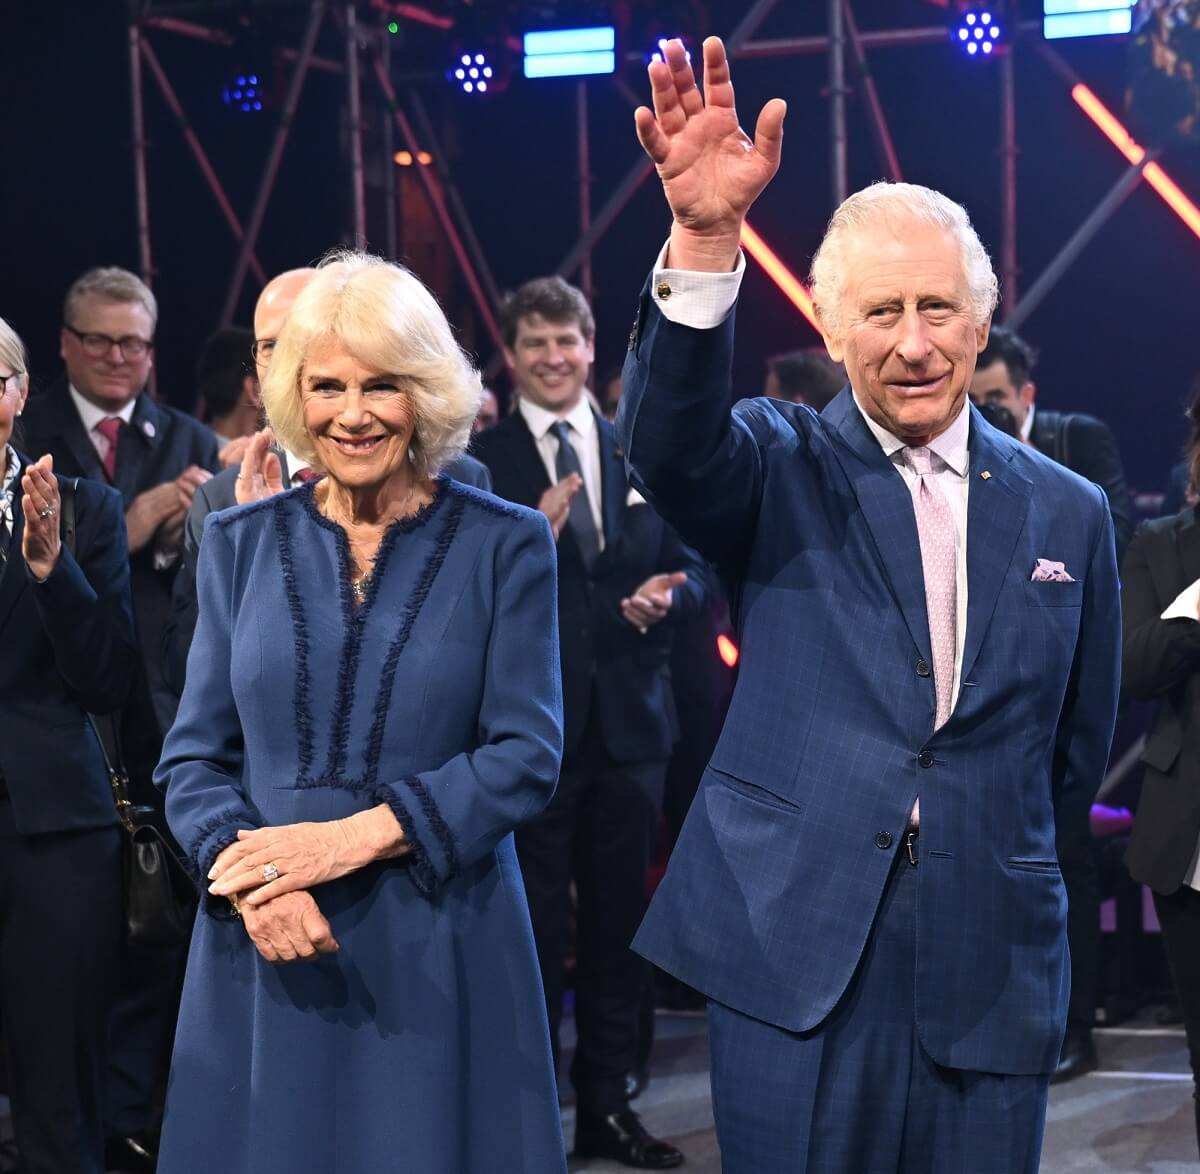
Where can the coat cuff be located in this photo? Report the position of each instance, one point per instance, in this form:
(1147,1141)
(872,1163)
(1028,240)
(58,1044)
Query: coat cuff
(432,857)
(66,584)
(213,838)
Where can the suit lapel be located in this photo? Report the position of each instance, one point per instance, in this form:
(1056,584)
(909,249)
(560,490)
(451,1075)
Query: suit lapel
(614,488)
(996,510)
(525,457)
(136,444)
(888,511)
(1187,543)
(13,578)
(70,427)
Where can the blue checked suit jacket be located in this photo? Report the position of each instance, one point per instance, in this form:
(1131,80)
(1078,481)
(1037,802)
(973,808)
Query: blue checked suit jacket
(777,876)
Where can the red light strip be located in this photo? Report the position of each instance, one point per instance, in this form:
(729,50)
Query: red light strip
(1156,177)
(795,290)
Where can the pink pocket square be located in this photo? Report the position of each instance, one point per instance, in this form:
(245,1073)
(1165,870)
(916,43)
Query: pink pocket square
(1048,571)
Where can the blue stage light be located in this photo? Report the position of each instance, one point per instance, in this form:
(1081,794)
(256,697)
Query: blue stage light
(571,52)
(978,27)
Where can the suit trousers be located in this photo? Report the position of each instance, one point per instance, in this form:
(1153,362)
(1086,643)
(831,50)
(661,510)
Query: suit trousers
(60,927)
(598,830)
(1179,918)
(859,1094)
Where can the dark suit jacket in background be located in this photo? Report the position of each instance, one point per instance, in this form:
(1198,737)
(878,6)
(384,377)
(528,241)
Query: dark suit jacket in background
(1162,663)
(776,879)
(157,446)
(1087,446)
(605,660)
(219,494)
(69,649)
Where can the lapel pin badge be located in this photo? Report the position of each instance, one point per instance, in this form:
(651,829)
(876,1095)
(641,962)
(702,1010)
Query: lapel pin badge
(149,429)
(985,475)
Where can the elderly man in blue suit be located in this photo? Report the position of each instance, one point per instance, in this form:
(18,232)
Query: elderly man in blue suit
(866,886)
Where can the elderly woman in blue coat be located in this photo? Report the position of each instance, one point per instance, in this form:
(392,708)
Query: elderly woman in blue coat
(372,706)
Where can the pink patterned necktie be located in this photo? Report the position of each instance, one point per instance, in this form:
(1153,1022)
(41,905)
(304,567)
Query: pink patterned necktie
(110,429)
(939,562)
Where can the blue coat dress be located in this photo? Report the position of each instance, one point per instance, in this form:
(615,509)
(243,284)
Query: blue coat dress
(421,1046)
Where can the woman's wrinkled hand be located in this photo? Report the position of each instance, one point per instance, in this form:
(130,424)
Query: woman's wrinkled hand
(41,542)
(268,862)
(289,929)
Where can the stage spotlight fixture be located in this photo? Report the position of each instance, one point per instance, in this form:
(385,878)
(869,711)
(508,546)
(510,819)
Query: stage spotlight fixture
(474,73)
(978,28)
(244,94)
(571,52)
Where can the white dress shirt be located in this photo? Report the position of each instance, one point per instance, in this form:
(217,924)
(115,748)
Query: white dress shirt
(585,440)
(92,415)
(1184,607)
(1027,424)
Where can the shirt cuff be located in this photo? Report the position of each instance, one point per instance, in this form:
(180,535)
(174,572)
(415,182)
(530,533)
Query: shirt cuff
(1184,606)
(698,300)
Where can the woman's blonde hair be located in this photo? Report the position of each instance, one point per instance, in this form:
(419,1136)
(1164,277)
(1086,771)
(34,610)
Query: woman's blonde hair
(12,354)
(388,320)
(879,203)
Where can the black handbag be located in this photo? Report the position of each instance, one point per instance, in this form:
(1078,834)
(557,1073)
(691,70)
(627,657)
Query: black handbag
(160,898)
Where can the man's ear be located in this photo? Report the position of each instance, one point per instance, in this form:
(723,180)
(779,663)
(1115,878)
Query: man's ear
(835,347)
(1028,393)
(251,392)
(981,335)
(510,358)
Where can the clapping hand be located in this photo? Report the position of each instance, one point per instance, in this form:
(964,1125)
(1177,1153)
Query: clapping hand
(556,501)
(261,475)
(711,170)
(41,542)
(651,602)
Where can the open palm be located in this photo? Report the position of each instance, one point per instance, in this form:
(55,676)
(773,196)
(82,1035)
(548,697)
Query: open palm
(711,170)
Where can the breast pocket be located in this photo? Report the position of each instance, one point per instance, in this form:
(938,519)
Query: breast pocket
(1051,594)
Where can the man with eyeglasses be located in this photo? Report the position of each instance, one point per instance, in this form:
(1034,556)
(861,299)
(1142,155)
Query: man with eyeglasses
(100,422)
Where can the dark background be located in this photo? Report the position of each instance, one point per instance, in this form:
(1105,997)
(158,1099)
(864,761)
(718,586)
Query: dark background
(1119,335)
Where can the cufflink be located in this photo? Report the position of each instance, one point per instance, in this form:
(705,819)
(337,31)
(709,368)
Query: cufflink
(662,291)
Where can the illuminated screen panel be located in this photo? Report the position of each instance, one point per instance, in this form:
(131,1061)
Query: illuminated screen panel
(1086,18)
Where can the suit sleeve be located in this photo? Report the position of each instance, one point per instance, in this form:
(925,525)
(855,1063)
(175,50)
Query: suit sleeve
(457,814)
(1089,712)
(200,771)
(181,621)
(1099,461)
(86,606)
(1157,654)
(689,600)
(696,462)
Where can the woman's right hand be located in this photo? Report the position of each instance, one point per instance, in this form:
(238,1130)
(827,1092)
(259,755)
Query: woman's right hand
(290,928)
(261,474)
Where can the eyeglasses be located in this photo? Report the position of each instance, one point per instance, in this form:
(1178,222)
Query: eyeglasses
(262,349)
(100,345)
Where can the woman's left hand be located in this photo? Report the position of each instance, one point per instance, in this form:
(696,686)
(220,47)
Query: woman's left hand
(41,544)
(268,862)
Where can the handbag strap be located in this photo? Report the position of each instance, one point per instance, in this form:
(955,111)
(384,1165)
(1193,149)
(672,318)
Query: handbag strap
(114,762)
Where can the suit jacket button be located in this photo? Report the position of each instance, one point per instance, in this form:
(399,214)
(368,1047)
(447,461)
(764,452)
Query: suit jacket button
(883,839)
(923,669)
(925,759)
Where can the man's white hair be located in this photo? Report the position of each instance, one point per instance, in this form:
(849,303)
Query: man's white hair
(888,203)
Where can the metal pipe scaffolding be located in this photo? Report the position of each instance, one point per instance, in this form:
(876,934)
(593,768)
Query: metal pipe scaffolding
(138,128)
(316,13)
(202,160)
(358,191)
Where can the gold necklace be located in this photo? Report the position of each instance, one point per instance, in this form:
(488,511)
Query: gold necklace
(360,582)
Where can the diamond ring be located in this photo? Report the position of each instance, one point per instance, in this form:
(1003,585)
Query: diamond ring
(270,873)
(47,513)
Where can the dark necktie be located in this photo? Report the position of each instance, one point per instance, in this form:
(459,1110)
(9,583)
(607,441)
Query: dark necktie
(582,524)
(110,429)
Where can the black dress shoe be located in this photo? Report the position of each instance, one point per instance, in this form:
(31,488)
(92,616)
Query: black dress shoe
(623,1138)
(137,1154)
(1078,1055)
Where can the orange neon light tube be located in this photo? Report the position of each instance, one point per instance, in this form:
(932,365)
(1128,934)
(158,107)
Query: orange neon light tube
(779,273)
(1156,177)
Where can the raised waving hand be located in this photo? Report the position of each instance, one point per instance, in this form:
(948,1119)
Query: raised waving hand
(711,170)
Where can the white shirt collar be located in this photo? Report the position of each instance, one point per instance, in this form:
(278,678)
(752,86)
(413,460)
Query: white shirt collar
(92,415)
(950,446)
(294,463)
(1027,426)
(540,420)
